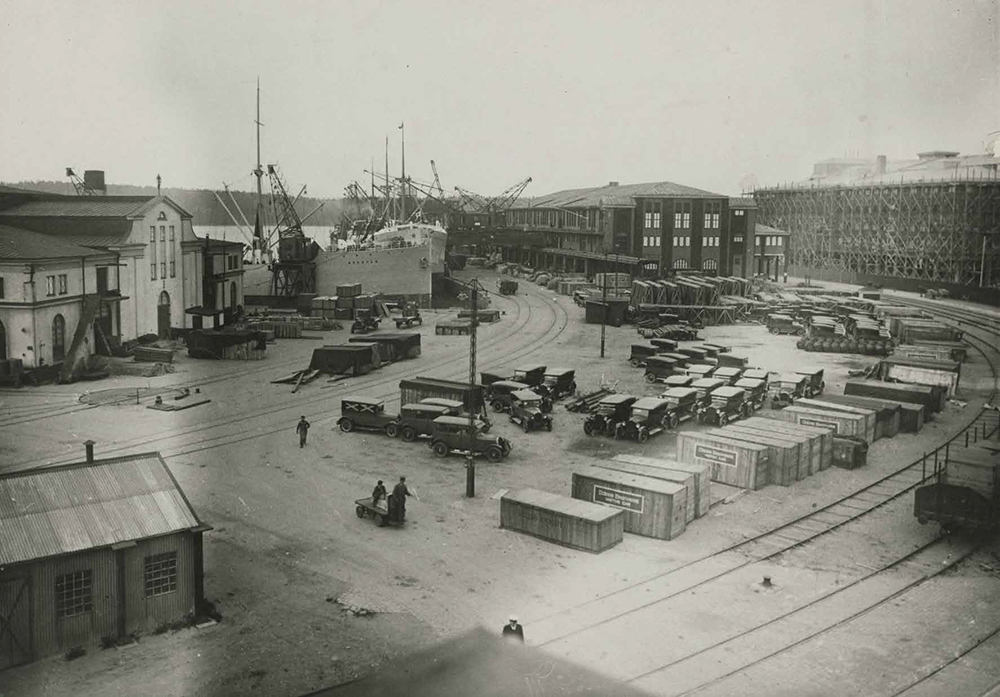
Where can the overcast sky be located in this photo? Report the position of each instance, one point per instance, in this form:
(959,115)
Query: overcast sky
(569,93)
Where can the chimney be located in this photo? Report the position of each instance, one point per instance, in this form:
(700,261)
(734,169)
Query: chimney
(89,445)
(94,179)
(880,165)
(612,183)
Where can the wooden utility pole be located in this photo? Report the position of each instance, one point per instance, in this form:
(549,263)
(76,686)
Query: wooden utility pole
(604,303)
(470,467)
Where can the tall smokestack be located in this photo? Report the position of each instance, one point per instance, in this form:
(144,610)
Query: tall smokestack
(89,445)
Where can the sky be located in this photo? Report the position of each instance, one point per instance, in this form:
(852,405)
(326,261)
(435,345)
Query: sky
(715,95)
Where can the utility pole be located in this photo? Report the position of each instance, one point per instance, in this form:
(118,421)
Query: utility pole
(258,172)
(604,303)
(470,467)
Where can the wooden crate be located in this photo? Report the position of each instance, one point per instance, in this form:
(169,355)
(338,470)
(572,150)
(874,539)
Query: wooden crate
(784,453)
(702,477)
(685,479)
(931,399)
(561,519)
(887,413)
(810,449)
(733,462)
(841,423)
(822,445)
(870,416)
(652,507)
(151,354)
(849,452)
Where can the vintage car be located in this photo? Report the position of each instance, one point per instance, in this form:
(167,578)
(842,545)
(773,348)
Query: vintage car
(507,287)
(659,368)
(815,383)
(695,354)
(757,374)
(704,387)
(526,411)
(730,375)
(680,359)
(417,419)
(719,348)
(486,379)
(665,344)
(456,408)
(756,391)
(368,414)
(678,380)
(648,418)
(786,389)
(778,323)
(611,411)
(410,316)
(558,382)
(364,321)
(682,405)
(700,370)
(531,375)
(452,433)
(725,404)
(641,353)
(500,392)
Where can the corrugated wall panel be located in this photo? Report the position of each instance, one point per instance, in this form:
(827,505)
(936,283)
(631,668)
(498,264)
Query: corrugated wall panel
(144,613)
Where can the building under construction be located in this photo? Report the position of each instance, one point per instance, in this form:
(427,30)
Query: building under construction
(929,222)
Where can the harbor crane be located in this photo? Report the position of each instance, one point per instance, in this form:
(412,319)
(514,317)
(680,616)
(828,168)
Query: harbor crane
(490,209)
(294,272)
(79,185)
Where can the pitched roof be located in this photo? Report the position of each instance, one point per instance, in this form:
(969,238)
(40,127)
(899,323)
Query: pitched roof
(17,243)
(88,232)
(759,229)
(614,195)
(57,510)
(741,202)
(56,206)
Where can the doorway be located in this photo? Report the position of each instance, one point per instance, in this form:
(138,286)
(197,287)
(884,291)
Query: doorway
(3,343)
(58,339)
(163,316)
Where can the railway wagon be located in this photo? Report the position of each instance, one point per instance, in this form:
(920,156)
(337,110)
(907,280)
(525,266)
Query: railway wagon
(422,387)
(964,492)
(561,519)
(733,462)
(652,507)
(930,398)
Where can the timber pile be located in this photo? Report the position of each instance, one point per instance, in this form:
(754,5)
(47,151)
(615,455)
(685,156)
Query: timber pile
(299,377)
(587,403)
(151,354)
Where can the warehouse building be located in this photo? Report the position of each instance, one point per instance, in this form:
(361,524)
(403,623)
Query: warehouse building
(932,221)
(94,550)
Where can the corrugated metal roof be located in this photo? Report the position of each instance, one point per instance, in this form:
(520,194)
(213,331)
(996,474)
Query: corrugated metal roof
(51,511)
(87,232)
(82,206)
(741,202)
(614,195)
(759,229)
(19,244)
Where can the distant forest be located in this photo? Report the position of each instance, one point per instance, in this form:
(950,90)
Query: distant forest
(202,204)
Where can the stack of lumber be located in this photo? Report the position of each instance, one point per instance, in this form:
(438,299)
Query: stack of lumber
(653,507)
(588,403)
(566,521)
(151,354)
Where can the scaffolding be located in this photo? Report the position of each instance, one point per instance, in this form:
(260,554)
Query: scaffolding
(928,231)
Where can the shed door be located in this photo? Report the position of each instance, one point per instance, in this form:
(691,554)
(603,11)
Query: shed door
(58,339)
(15,622)
(163,316)
(3,343)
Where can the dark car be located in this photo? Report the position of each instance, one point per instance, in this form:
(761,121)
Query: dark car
(611,411)
(364,321)
(778,323)
(648,418)
(452,433)
(417,419)
(756,391)
(659,368)
(682,404)
(500,392)
(488,378)
(526,411)
(757,374)
(531,375)
(786,389)
(456,408)
(815,384)
(726,404)
(368,414)
(678,381)
(410,316)
(705,386)
(641,353)
(700,370)
(558,382)
(730,375)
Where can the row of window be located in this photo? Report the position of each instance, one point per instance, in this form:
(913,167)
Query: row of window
(166,254)
(681,241)
(75,591)
(50,285)
(773,241)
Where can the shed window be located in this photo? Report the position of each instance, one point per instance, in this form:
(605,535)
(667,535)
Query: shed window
(74,593)
(161,574)
(62,284)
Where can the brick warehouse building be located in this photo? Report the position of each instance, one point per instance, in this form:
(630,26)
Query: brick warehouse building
(94,550)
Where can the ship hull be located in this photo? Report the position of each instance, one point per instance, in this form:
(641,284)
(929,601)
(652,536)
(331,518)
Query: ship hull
(401,272)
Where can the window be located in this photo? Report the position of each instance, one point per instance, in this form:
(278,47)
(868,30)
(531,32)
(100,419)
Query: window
(163,269)
(74,593)
(738,213)
(686,223)
(738,238)
(779,240)
(171,233)
(152,233)
(708,221)
(152,271)
(682,215)
(1,288)
(160,574)
(62,284)
(172,272)
(710,265)
(715,221)
(680,263)
(50,285)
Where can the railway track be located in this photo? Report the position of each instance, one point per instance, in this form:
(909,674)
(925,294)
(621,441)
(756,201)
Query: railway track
(495,352)
(594,615)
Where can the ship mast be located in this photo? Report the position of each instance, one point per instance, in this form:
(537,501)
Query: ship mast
(258,172)
(402,187)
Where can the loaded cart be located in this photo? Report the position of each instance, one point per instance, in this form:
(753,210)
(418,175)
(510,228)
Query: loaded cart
(382,516)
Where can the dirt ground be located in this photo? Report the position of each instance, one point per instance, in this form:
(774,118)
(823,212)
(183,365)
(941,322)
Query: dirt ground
(312,596)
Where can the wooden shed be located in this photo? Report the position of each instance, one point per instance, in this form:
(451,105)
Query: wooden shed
(870,415)
(733,462)
(561,519)
(652,507)
(95,549)
(702,475)
(784,453)
(823,446)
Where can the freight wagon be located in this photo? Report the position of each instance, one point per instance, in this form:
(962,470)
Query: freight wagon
(964,492)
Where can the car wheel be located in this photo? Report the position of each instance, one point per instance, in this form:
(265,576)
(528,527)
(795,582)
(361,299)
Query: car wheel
(650,378)
(525,426)
(440,449)
(588,428)
(409,435)
(773,330)
(391,430)
(723,419)
(634,362)
(380,520)
(673,420)
(346,425)
(360,511)
(497,405)
(548,425)
(643,435)
(494,454)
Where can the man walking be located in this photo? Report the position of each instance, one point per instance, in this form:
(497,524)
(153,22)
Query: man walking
(399,494)
(513,630)
(302,428)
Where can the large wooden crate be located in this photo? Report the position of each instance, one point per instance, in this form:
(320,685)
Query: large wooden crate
(733,462)
(931,399)
(685,479)
(652,507)
(561,519)
(942,374)
(957,350)
(887,413)
(784,454)
(870,415)
(702,477)
(810,448)
(822,447)
(841,423)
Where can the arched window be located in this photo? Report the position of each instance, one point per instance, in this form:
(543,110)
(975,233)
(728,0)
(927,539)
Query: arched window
(710,264)
(680,263)
(58,338)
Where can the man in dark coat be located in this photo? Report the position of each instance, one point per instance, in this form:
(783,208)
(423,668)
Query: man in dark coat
(512,630)
(378,493)
(399,494)
(302,428)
